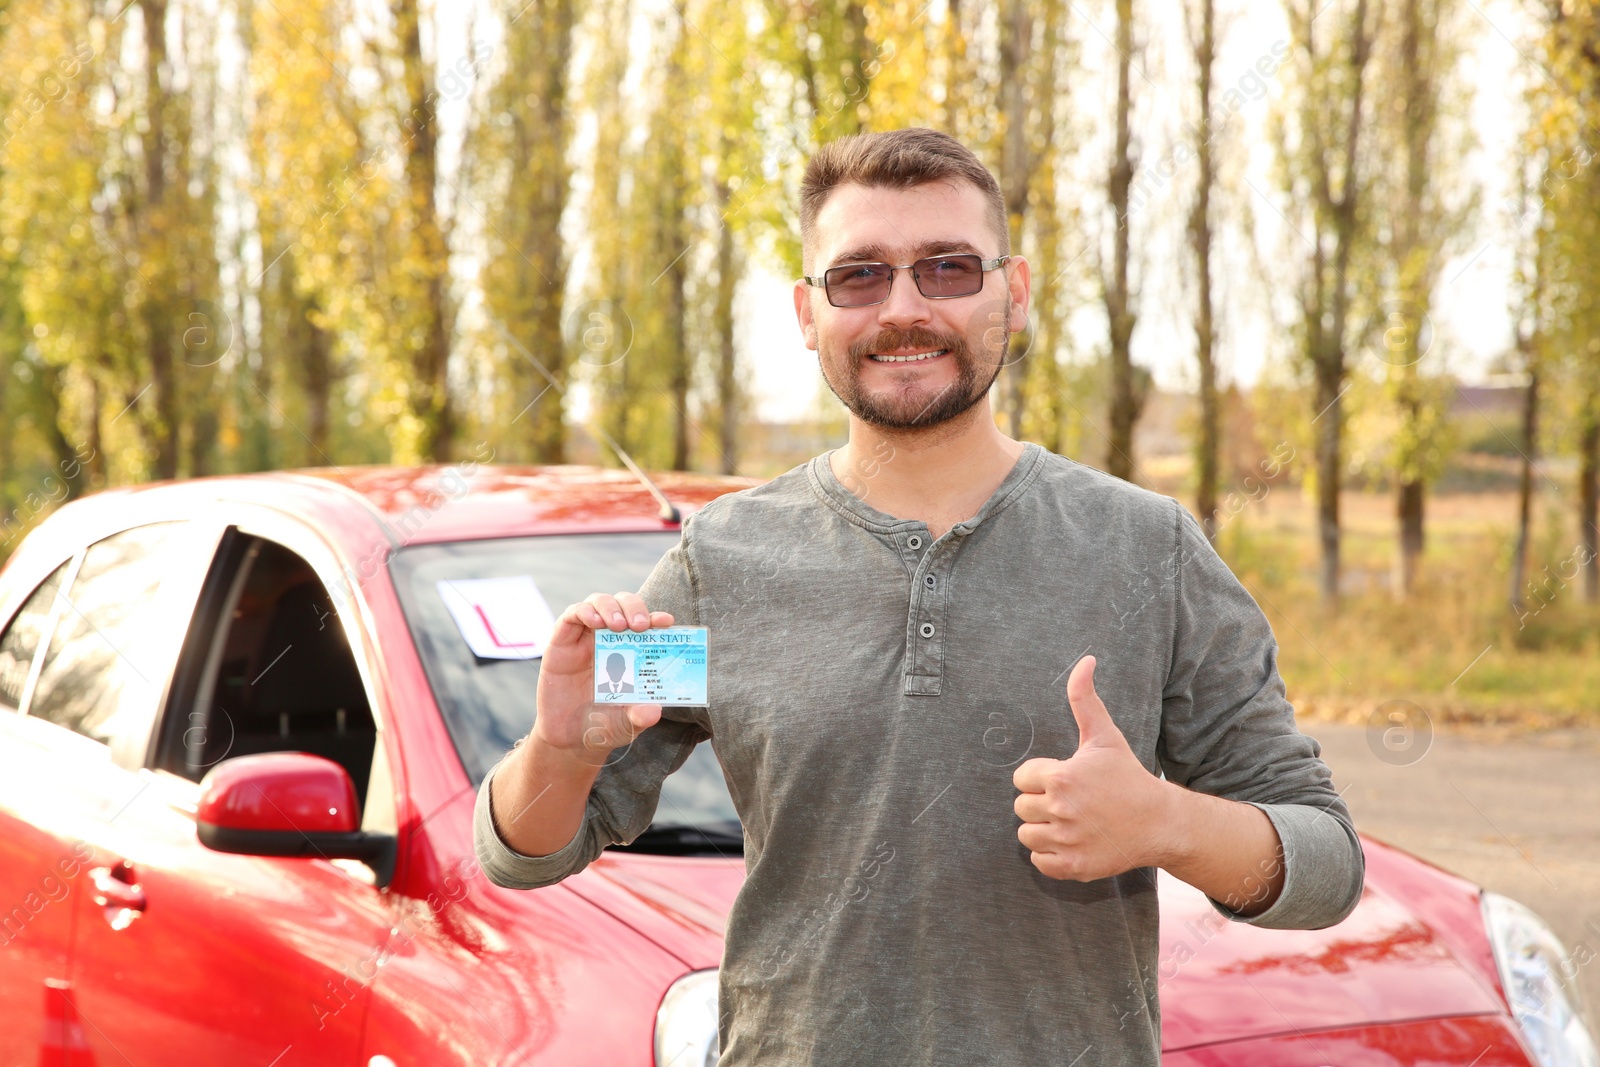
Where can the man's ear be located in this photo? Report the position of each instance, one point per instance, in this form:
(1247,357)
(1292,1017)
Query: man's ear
(802,312)
(1020,282)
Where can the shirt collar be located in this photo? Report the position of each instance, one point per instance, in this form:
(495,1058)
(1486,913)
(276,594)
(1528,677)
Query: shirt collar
(833,493)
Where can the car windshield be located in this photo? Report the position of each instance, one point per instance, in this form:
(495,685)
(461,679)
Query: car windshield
(488,704)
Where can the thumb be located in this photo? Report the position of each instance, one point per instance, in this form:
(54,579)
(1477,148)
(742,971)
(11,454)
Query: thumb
(1095,726)
(643,716)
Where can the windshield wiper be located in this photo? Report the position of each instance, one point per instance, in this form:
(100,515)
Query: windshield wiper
(682,839)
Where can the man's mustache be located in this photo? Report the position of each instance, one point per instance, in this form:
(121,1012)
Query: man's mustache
(917,339)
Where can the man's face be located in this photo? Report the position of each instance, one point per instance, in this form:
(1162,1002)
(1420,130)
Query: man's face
(863,350)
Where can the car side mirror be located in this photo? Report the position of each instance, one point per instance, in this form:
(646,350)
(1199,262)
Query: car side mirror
(288,804)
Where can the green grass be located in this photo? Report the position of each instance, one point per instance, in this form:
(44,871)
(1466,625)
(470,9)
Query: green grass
(1454,647)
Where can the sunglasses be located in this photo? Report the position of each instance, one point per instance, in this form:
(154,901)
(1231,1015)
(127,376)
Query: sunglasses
(853,285)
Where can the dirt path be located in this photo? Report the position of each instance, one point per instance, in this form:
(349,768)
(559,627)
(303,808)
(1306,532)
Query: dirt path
(1516,813)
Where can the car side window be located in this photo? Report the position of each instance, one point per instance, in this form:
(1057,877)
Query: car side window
(22,639)
(101,676)
(277,675)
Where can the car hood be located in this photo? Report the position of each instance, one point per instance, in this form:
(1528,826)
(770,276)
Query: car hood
(1413,948)
(679,902)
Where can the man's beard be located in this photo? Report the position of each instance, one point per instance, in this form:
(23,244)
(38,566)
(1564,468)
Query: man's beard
(896,412)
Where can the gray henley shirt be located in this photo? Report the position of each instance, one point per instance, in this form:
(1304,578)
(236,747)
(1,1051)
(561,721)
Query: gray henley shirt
(872,691)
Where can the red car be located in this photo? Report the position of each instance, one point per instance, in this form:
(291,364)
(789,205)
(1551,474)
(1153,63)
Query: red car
(240,734)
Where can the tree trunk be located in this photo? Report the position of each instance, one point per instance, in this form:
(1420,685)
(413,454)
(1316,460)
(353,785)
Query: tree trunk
(429,388)
(316,354)
(1205,51)
(955,74)
(66,456)
(96,473)
(1119,313)
(202,441)
(157,314)
(309,350)
(1530,343)
(1588,502)
(1530,444)
(858,53)
(1329,382)
(1409,507)
(675,239)
(1332,300)
(1417,233)
(1049,317)
(1014,171)
(835,78)
(263,444)
(677,276)
(1410,490)
(526,287)
(8,366)
(1210,434)
(722,314)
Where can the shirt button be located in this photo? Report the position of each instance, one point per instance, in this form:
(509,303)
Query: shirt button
(928,580)
(914,541)
(927,629)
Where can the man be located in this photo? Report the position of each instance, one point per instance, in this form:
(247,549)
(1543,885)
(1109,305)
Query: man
(892,624)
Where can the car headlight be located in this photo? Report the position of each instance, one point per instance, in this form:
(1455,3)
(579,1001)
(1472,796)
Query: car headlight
(1540,981)
(686,1023)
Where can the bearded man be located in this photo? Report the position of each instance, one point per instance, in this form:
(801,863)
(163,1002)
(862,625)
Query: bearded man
(951,854)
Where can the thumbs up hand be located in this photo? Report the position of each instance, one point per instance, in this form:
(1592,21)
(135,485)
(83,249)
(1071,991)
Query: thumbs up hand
(1099,812)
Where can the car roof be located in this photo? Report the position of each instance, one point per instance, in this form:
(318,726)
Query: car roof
(409,504)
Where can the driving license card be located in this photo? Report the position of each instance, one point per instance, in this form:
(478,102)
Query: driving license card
(662,666)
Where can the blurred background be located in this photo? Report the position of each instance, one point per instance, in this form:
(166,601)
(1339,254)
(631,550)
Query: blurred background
(1321,269)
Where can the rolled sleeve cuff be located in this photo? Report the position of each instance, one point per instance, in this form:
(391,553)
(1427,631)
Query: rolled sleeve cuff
(1324,869)
(504,865)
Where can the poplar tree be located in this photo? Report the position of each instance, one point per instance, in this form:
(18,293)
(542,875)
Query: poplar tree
(1564,124)
(1426,204)
(1200,17)
(1129,388)
(1325,159)
(523,189)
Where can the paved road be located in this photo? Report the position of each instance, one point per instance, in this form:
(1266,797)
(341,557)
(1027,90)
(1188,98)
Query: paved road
(1516,813)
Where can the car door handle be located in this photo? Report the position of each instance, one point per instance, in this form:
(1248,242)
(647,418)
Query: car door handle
(119,893)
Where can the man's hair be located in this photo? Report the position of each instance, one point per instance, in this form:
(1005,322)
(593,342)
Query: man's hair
(895,159)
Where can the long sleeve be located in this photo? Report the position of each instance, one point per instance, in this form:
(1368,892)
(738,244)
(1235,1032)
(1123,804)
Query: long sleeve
(623,800)
(1228,729)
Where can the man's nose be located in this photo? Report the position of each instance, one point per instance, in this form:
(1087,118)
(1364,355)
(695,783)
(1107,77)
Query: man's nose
(906,305)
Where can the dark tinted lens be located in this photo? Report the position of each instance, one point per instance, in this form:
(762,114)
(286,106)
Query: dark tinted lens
(958,275)
(857,283)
